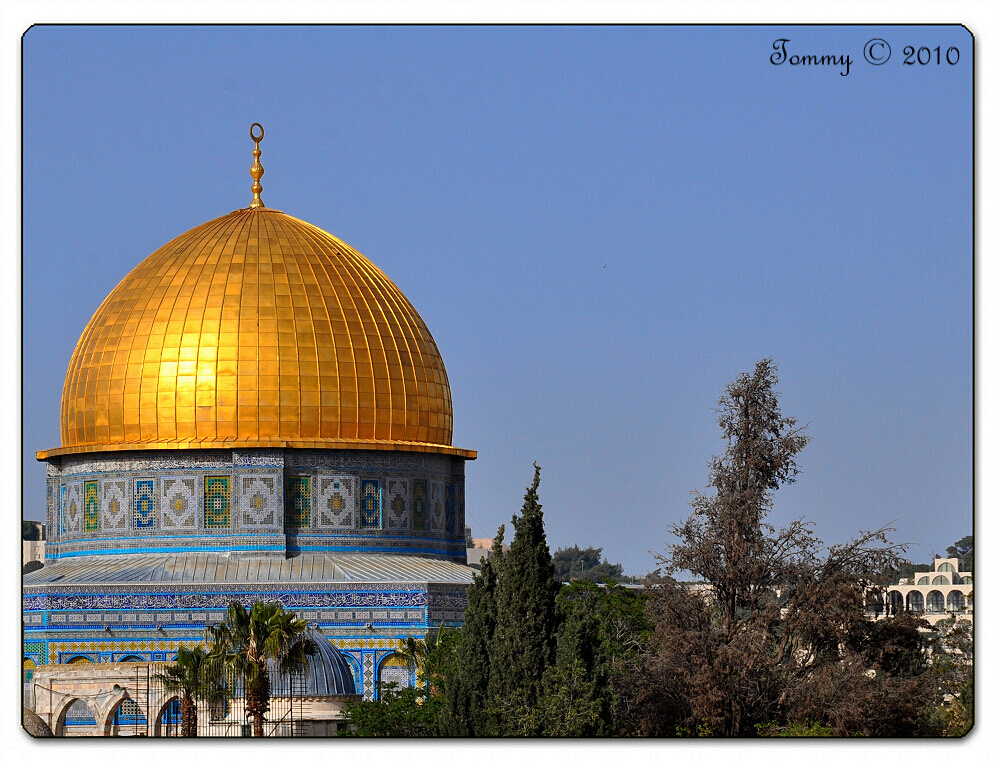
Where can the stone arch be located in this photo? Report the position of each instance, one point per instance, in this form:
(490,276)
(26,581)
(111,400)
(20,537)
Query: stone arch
(956,601)
(109,726)
(166,711)
(895,601)
(935,602)
(75,712)
(915,602)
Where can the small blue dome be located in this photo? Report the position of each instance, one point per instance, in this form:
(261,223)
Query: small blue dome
(329,674)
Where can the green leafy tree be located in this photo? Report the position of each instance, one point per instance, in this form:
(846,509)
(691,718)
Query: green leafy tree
(523,644)
(905,570)
(410,712)
(191,676)
(31,566)
(963,551)
(585,563)
(29,531)
(245,641)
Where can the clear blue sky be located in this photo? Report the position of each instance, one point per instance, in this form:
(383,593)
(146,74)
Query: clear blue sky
(601,226)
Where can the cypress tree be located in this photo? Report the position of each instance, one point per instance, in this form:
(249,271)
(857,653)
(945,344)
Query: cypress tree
(578,700)
(523,644)
(466,687)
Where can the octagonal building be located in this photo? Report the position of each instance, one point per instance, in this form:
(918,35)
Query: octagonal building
(256,412)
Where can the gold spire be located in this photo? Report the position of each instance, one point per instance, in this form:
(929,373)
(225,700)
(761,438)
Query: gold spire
(256,171)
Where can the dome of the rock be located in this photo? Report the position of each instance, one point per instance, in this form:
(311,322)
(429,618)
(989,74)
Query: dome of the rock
(255,413)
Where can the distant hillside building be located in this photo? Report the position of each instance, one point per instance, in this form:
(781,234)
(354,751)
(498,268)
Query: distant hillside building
(939,594)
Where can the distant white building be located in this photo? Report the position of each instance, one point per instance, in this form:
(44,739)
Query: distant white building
(939,594)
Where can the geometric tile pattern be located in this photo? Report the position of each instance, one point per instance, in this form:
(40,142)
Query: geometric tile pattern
(371,504)
(144,507)
(397,509)
(336,503)
(369,679)
(420,504)
(449,509)
(179,503)
(79,713)
(58,650)
(217,502)
(36,651)
(129,714)
(458,507)
(437,506)
(298,502)
(259,501)
(114,504)
(355,667)
(91,506)
(72,507)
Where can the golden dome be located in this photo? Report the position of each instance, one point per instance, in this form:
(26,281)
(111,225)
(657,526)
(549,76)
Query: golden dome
(256,330)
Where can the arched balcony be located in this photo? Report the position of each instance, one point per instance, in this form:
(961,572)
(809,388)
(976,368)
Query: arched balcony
(935,602)
(956,602)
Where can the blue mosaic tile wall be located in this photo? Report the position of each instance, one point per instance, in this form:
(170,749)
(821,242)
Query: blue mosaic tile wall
(367,623)
(256,500)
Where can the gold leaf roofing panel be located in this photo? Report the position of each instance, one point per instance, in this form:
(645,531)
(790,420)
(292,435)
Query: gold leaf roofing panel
(256,329)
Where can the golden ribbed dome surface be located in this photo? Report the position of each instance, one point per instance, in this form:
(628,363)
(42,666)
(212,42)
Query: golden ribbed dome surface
(256,329)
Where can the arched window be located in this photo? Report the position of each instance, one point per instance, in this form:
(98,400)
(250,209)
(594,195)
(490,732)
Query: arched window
(915,602)
(81,659)
(128,720)
(394,669)
(946,567)
(935,602)
(925,580)
(895,601)
(170,719)
(29,669)
(78,719)
(131,658)
(966,580)
(941,580)
(956,601)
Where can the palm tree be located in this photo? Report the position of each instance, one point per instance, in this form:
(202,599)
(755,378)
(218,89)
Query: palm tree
(191,676)
(246,640)
(424,656)
(415,653)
